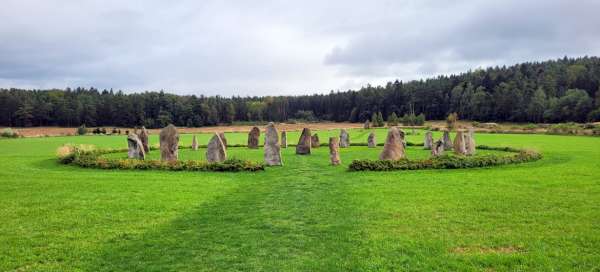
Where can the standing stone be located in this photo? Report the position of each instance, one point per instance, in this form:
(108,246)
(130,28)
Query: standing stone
(470,142)
(284,139)
(194,143)
(334,150)
(169,143)
(367,124)
(459,143)
(303,147)
(143,135)
(253,137)
(344,139)
(272,148)
(215,151)
(314,141)
(393,149)
(437,149)
(135,147)
(447,141)
(428,144)
(223,139)
(371,140)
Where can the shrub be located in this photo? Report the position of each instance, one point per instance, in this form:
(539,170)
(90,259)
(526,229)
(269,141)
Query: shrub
(393,120)
(447,161)
(451,120)
(9,133)
(82,130)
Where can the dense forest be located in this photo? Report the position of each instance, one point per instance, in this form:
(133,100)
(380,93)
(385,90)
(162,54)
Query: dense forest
(551,91)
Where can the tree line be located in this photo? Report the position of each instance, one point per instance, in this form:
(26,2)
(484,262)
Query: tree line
(561,90)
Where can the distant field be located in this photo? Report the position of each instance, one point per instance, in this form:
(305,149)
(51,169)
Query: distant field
(304,216)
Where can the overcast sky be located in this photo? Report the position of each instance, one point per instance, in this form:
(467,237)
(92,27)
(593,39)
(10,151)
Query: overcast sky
(278,47)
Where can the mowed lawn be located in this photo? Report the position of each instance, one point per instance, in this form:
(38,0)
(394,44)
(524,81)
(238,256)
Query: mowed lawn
(304,216)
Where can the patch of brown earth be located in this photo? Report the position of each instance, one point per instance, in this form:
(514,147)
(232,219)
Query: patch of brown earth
(487,250)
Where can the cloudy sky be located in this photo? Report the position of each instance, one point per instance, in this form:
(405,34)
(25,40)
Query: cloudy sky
(278,47)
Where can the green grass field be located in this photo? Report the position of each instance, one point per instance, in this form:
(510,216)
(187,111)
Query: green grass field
(305,216)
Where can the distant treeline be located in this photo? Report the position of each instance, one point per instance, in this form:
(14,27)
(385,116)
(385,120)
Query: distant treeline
(551,91)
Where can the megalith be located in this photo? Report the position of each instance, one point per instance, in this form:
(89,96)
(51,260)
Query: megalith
(169,143)
(135,148)
(334,150)
(428,143)
(215,150)
(371,141)
(303,147)
(272,148)
(344,138)
(393,149)
(253,138)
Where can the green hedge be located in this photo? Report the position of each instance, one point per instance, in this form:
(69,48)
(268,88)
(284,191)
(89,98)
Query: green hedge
(92,158)
(448,162)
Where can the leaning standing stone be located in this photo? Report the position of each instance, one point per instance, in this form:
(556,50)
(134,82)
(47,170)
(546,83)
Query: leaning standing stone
(253,137)
(459,143)
(223,139)
(284,139)
(470,142)
(272,148)
(194,143)
(314,141)
(428,144)
(303,147)
(135,147)
(334,150)
(143,135)
(169,143)
(447,141)
(215,151)
(344,139)
(371,140)
(367,124)
(437,149)
(393,149)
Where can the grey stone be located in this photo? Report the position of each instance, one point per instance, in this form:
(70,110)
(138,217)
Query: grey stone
(169,143)
(135,148)
(223,139)
(194,143)
(459,143)
(393,149)
(367,124)
(344,139)
(428,143)
(470,144)
(215,151)
(314,141)
(303,147)
(284,139)
(143,135)
(334,150)
(447,141)
(272,148)
(437,149)
(371,141)
(253,138)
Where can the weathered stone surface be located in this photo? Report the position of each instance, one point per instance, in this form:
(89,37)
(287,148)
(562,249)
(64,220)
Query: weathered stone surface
(437,149)
(344,139)
(470,142)
(169,143)
(367,124)
(334,150)
(284,139)
(303,147)
(135,147)
(215,151)
(459,143)
(143,135)
(447,141)
(223,139)
(428,143)
(253,138)
(371,141)
(314,141)
(272,148)
(194,143)
(393,149)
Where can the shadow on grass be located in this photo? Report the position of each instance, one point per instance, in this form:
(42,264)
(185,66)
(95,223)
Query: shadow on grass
(307,224)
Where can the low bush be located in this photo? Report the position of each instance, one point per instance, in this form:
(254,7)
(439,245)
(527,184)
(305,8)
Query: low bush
(82,130)
(9,133)
(448,161)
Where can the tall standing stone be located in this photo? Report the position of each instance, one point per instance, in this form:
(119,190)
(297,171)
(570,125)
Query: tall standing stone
(437,149)
(447,141)
(393,149)
(284,139)
(135,148)
(143,135)
(459,143)
(303,147)
(344,139)
(314,141)
(334,150)
(223,139)
(428,144)
(169,143)
(272,148)
(253,137)
(371,141)
(194,143)
(367,124)
(470,142)
(215,150)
